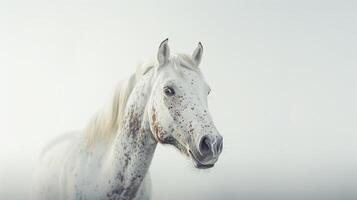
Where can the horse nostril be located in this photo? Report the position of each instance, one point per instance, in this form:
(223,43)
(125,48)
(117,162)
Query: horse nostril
(205,145)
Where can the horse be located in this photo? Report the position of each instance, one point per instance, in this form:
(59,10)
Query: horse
(164,101)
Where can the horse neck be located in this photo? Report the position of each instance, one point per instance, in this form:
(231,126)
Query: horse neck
(134,146)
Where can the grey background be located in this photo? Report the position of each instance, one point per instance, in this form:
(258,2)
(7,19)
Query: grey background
(282,73)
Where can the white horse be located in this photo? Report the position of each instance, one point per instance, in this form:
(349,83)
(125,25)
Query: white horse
(165,101)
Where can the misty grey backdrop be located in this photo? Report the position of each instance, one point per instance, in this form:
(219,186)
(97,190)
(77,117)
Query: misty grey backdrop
(282,73)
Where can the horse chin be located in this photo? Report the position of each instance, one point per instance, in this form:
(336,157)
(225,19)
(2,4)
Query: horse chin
(198,164)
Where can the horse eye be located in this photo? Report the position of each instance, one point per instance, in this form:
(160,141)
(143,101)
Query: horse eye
(169,91)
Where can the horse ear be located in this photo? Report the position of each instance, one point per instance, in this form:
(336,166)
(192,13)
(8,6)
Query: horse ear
(163,54)
(197,54)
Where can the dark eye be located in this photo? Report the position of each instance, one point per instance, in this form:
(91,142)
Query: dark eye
(209,91)
(169,91)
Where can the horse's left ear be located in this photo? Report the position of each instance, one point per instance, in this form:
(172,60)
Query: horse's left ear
(197,54)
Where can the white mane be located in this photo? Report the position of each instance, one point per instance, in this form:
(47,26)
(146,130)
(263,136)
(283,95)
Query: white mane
(107,122)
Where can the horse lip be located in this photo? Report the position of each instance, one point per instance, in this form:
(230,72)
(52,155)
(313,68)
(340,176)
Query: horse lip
(197,163)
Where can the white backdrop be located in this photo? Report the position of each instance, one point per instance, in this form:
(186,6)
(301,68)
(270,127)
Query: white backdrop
(283,78)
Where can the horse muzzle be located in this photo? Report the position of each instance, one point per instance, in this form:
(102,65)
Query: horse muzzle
(208,149)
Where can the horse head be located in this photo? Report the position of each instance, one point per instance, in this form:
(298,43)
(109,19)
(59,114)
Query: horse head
(178,110)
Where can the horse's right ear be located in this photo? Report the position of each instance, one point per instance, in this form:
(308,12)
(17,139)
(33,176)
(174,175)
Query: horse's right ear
(197,54)
(163,54)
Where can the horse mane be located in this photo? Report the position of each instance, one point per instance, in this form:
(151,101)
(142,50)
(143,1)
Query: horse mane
(106,123)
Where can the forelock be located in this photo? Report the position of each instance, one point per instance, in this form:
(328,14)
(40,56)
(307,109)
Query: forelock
(184,60)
